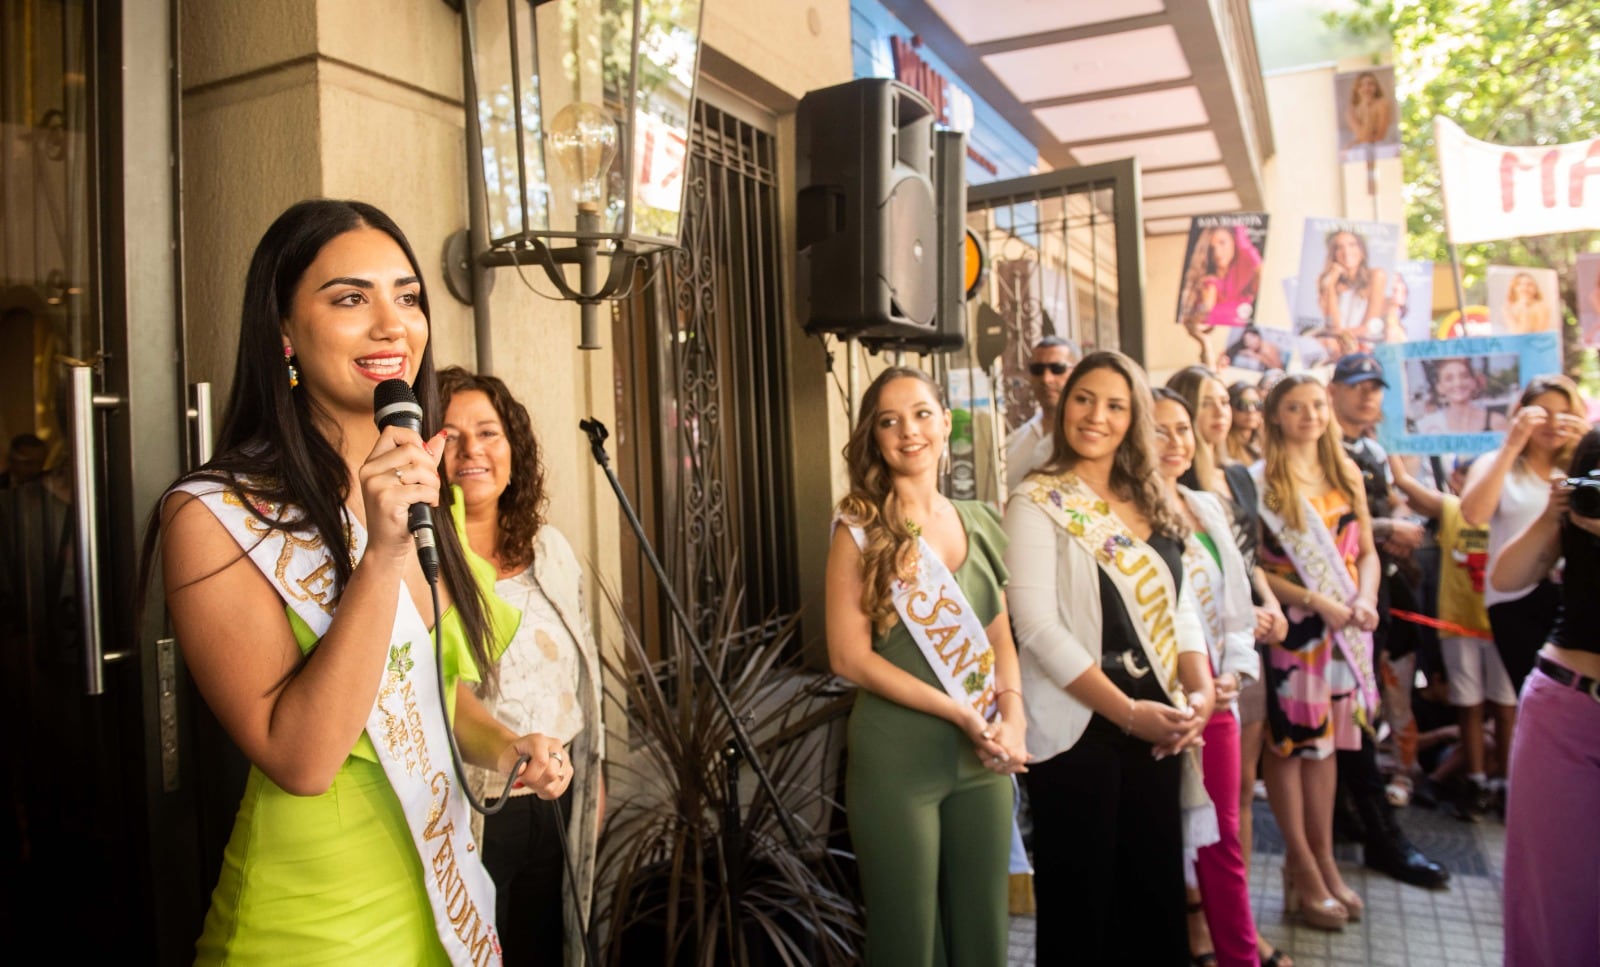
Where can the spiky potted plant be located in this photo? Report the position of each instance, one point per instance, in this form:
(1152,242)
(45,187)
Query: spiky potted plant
(696,872)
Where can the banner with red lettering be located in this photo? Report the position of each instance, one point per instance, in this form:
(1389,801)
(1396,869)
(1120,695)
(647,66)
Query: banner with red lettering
(1492,191)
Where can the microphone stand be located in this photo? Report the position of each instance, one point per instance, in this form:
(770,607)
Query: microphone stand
(741,739)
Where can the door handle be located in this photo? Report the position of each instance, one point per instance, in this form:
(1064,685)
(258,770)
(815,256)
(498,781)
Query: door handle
(200,415)
(83,402)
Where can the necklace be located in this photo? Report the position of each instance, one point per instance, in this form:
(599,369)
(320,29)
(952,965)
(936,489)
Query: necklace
(914,528)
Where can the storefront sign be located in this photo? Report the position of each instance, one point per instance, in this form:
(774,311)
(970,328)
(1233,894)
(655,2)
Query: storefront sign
(952,106)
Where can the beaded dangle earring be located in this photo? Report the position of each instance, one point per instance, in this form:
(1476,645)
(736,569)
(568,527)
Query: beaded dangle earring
(288,360)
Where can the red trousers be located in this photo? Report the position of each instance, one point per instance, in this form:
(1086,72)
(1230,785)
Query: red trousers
(1224,882)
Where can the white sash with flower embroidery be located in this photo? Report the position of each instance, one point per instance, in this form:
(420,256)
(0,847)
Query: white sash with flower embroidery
(1322,569)
(406,723)
(1150,597)
(958,648)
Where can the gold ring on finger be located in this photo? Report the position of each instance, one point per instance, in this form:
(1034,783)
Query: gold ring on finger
(399,475)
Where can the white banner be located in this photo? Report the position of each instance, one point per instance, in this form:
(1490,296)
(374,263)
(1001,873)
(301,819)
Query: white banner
(1492,191)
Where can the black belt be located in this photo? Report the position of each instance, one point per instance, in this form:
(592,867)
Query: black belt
(1566,676)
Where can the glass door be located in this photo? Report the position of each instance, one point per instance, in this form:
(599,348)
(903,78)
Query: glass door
(95,836)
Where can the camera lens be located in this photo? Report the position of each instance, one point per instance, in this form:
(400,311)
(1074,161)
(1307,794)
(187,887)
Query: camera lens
(1585,500)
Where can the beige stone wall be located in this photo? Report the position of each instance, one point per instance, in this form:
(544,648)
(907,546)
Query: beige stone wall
(289,99)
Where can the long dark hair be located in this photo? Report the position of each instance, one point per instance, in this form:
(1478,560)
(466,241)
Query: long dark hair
(521,507)
(1134,474)
(269,446)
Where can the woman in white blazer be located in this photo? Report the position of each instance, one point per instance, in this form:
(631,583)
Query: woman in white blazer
(1115,678)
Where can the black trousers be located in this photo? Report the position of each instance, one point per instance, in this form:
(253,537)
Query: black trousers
(522,852)
(1108,853)
(1521,628)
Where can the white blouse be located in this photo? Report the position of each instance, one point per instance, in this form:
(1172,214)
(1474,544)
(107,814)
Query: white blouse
(539,670)
(1054,599)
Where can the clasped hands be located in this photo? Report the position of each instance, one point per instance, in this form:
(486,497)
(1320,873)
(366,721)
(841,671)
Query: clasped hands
(1169,730)
(999,743)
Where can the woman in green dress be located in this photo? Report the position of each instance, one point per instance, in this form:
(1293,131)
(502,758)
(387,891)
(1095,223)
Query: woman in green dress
(304,617)
(938,726)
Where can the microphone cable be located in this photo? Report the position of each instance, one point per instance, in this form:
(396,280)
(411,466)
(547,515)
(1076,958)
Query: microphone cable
(590,954)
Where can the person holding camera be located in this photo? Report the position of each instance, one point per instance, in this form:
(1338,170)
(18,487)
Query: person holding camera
(1506,490)
(1552,895)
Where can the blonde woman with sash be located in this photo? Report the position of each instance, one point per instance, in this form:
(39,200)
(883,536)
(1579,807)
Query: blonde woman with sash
(917,618)
(1116,680)
(1318,553)
(303,614)
(1215,570)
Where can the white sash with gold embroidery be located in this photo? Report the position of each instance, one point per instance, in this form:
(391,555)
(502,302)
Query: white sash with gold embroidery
(1151,599)
(1322,569)
(406,723)
(1205,577)
(946,629)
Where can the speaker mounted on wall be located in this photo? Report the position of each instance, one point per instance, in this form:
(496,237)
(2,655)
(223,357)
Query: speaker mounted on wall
(867,227)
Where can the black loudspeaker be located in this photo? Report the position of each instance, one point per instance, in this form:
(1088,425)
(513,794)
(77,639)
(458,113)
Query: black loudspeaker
(867,232)
(949,332)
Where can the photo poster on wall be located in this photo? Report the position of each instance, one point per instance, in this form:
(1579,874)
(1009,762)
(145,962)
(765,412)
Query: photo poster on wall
(1368,114)
(1588,282)
(1222,270)
(1258,349)
(1346,271)
(1409,316)
(1523,299)
(1458,395)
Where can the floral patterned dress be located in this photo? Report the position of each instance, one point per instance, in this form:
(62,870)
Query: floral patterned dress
(1311,689)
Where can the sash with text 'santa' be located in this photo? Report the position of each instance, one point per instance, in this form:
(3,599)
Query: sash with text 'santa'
(941,621)
(1150,597)
(1322,570)
(406,723)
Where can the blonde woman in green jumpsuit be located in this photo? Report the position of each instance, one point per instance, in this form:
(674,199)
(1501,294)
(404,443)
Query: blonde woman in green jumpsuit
(928,790)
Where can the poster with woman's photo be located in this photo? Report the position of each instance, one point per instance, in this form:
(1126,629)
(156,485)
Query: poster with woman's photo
(1346,276)
(1523,300)
(1458,395)
(1588,274)
(1369,123)
(1409,316)
(1258,349)
(1222,271)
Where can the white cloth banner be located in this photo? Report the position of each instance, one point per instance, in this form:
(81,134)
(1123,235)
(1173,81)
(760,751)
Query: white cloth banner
(1492,191)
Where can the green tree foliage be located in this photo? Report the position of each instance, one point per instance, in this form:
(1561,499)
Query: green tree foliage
(1513,72)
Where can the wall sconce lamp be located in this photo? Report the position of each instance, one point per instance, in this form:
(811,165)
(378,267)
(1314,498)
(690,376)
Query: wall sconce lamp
(578,119)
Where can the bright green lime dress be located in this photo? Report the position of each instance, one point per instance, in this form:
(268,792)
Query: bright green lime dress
(329,879)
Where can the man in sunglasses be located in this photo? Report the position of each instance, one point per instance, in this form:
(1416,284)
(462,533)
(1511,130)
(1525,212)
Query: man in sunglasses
(1028,446)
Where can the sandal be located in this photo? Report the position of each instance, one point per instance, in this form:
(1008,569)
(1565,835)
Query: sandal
(1209,958)
(1398,791)
(1275,959)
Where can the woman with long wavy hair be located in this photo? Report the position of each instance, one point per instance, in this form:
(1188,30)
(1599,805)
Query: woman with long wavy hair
(916,616)
(1213,470)
(1320,561)
(1350,291)
(549,672)
(1116,679)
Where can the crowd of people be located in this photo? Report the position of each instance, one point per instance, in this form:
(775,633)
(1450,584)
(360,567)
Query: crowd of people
(1190,586)
(1202,584)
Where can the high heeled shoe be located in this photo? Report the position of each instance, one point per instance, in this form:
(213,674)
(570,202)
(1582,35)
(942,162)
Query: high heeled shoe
(1353,905)
(1329,914)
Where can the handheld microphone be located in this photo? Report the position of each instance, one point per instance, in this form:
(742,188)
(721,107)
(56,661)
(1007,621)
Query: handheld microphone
(393,404)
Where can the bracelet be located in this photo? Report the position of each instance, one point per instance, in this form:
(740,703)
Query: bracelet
(1132,707)
(1014,691)
(1305,603)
